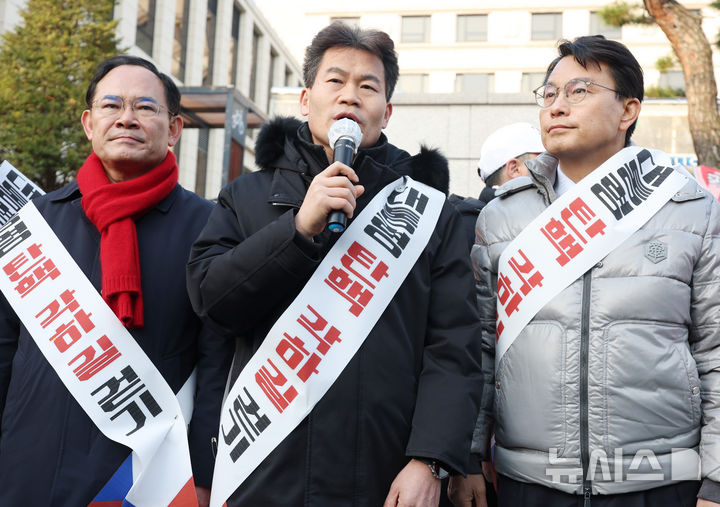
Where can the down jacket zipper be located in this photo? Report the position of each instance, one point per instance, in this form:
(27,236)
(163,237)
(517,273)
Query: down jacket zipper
(584,352)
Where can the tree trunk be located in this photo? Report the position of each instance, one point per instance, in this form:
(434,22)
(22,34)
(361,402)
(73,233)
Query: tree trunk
(684,31)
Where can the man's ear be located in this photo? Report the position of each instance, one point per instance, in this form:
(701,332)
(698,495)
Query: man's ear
(631,111)
(512,169)
(86,120)
(304,102)
(387,115)
(176,126)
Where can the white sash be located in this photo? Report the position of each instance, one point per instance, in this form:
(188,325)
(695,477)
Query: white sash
(319,333)
(96,358)
(578,230)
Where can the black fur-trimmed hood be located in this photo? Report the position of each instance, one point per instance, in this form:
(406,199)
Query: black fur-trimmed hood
(431,167)
(270,144)
(275,148)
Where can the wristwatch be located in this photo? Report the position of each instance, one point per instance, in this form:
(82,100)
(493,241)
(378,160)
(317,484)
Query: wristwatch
(435,467)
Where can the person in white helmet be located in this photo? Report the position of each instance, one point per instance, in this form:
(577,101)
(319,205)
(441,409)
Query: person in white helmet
(502,158)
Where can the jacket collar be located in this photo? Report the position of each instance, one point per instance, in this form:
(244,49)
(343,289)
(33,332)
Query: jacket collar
(543,169)
(71,192)
(301,160)
(315,157)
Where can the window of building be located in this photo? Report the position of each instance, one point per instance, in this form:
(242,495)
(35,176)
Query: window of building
(203,148)
(271,80)
(209,52)
(413,83)
(145,25)
(180,41)
(289,80)
(352,21)
(672,79)
(547,26)
(415,29)
(599,27)
(472,27)
(531,81)
(234,44)
(254,54)
(474,83)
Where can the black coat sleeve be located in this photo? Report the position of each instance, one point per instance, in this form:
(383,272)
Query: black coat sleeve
(248,259)
(450,383)
(9,332)
(214,355)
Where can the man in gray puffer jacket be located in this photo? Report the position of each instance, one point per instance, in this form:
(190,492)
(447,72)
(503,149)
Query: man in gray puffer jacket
(612,389)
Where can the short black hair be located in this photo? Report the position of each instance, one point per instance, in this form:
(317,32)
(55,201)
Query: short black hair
(624,68)
(495,178)
(338,34)
(172,93)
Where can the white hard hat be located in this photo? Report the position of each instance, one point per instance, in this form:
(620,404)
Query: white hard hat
(505,143)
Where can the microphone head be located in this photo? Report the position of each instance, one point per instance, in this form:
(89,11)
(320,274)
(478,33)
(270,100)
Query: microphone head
(345,127)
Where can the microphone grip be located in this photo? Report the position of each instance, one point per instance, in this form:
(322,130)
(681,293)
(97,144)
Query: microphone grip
(337,221)
(343,152)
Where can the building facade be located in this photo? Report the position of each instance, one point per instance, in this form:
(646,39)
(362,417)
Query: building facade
(225,57)
(493,46)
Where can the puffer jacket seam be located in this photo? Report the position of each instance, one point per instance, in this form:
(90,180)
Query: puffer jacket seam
(495,242)
(665,323)
(707,284)
(564,380)
(645,277)
(708,215)
(605,395)
(711,365)
(705,326)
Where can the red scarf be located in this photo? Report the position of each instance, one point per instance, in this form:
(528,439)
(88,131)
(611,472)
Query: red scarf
(113,208)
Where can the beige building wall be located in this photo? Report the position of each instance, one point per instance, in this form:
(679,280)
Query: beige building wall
(508,51)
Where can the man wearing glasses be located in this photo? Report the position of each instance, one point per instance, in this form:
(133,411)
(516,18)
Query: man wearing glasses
(128,225)
(598,289)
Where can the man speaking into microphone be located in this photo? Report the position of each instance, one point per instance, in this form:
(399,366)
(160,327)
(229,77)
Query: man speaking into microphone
(393,355)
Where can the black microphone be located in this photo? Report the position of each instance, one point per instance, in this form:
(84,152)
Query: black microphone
(344,136)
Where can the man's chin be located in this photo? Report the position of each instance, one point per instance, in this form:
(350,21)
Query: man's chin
(560,148)
(129,164)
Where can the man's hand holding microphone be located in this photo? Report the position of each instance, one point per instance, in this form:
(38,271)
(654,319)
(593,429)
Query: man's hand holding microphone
(331,197)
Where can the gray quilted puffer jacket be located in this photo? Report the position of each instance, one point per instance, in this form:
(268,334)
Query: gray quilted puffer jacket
(614,386)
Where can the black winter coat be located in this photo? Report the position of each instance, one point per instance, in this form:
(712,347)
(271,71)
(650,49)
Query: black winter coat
(51,453)
(411,390)
(469,209)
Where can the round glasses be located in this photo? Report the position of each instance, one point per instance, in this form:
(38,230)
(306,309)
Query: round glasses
(575,92)
(112,106)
